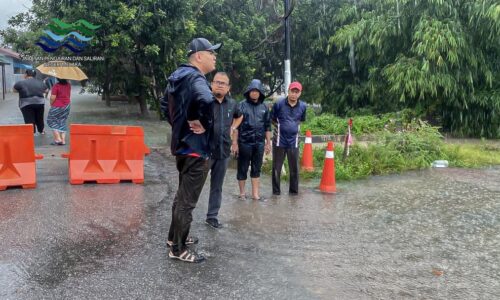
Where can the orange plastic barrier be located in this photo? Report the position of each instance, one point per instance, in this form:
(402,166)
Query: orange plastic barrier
(327,184)
(106,153)
(307,154)
(17,156)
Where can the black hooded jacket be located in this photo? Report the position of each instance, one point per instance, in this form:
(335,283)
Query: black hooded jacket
(256,117)
(188,97)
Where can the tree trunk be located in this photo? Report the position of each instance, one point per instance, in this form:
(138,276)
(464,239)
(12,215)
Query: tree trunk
(155,91)
(352,57)
(141,97)
(106,88)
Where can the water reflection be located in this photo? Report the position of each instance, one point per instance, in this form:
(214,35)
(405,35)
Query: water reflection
(97,221)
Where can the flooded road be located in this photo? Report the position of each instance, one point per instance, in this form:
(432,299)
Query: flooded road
(431,234)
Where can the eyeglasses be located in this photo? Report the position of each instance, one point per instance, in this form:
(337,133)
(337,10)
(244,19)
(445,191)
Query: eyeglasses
(220,83)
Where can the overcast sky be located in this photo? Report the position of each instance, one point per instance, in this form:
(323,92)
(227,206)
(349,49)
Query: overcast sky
(10,8)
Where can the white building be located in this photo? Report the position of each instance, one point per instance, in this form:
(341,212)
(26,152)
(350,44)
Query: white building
(12,69)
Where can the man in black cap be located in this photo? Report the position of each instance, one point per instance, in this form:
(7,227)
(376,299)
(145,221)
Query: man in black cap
(187,107)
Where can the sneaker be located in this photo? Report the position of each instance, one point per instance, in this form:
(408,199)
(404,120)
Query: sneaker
(188,256)
(189,241)
(214,223)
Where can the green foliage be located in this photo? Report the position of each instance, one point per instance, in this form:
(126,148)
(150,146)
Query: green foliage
(393,153)
(327,124)
(473,155)
(438,58)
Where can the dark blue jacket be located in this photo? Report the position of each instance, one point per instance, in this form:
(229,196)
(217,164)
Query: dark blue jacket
(256,117)
(188,97)
(287,120)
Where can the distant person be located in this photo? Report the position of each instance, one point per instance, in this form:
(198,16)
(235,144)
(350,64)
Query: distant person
(57,119)
(226,118)
(31,100)
(188,107)
(49,82)
(286,115)
(253,137)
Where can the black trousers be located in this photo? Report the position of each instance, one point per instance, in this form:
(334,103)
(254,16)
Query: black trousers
(279,154)
(33,114)
(192,175)
(218,169)
(249,155)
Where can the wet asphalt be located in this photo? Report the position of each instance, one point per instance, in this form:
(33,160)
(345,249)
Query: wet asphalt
(431,234)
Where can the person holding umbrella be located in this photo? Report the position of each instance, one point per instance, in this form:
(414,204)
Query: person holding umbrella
(57,118)
(60,96)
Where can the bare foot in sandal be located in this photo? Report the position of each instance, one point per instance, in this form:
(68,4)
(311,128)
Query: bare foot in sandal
(187,255)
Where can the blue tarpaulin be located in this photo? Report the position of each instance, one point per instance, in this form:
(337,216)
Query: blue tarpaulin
(23,66)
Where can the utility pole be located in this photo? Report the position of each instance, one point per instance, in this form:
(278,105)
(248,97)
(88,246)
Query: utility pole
(288,72)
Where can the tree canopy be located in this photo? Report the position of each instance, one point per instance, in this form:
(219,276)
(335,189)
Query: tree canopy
(440,58)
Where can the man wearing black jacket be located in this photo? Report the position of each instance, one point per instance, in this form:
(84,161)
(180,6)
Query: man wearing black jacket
(253,137)
(187,106)
(226,118)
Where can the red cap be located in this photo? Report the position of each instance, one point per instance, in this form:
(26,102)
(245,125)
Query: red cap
(295,85)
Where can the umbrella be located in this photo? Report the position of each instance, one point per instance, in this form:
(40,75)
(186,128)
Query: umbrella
(62,70)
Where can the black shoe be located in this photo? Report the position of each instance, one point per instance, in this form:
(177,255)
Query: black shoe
(276,193)
(214,223)
(187,255)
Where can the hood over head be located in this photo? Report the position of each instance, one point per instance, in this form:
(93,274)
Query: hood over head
(255,84)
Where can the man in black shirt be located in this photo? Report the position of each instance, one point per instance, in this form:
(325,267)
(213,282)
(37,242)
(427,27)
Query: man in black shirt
(226,118)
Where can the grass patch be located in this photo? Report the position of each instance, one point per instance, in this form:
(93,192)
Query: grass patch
(396,152)
(472,155)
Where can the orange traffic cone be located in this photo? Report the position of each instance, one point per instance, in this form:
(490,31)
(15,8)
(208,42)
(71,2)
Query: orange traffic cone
(327,184)
(307,155)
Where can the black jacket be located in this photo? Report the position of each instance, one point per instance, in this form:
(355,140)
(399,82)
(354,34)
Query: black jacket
(223,115)
(188,97)
(256,117)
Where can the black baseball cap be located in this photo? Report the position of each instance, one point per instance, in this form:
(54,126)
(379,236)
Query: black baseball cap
(201,44)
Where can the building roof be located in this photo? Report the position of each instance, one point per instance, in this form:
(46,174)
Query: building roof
(9,53)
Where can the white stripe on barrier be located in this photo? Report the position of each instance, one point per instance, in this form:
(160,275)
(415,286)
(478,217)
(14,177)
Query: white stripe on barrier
(329,154)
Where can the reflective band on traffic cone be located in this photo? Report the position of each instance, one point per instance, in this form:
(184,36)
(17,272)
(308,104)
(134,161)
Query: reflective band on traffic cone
(307,155)
(327,184)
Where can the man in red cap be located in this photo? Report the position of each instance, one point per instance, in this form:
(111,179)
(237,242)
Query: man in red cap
(286,115)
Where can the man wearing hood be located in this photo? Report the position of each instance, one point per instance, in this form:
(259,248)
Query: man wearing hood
(187,106)
(253,138)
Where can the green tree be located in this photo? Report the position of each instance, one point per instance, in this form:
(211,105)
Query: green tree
(438,56)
